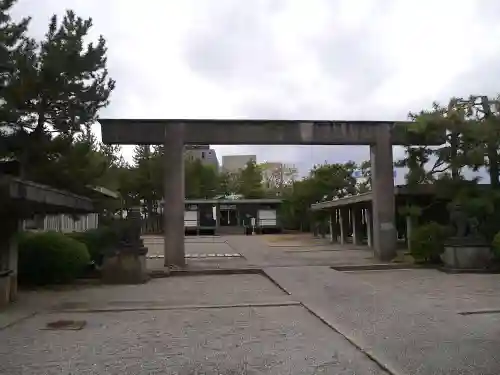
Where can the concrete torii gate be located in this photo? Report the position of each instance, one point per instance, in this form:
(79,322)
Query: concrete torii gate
(175,133)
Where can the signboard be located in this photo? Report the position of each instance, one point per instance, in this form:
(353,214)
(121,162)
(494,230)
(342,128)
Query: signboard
(267,218)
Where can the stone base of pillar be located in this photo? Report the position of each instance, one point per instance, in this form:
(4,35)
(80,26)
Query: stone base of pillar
(125,266)
(466,254)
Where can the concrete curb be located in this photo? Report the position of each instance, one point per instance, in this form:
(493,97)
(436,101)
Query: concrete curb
(7,323)
(473,271)
(103,309)
(379,266)
(155,274)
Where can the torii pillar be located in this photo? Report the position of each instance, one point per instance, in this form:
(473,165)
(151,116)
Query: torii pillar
(383,213)
(173,200)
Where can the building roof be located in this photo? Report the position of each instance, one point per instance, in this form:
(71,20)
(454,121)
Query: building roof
(104,192)
(28,197)
(367,197)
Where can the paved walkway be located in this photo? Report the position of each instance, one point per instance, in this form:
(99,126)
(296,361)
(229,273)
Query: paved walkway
(232,324)
(299,317)
(409,320)
(262,251)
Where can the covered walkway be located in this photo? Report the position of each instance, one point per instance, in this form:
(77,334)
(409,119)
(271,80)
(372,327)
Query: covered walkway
(349,220)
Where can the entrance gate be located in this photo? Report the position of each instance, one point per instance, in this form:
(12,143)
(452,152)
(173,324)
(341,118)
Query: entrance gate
(174,134)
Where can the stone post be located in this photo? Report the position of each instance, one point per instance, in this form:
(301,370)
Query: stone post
(357,230)
(344,225)
(409,225)
(330,223)
(369,227)
(315,228)
(336,225)
(382,173)
(174,195)
(322,228)
(217,217)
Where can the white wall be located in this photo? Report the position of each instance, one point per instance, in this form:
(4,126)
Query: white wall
(63,223)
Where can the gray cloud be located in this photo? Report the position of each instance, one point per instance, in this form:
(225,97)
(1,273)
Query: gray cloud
(482,79)
(233,43)
(287,59)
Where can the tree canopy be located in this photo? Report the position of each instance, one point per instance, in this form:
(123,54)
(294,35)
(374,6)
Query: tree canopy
(52,92)
(472,128)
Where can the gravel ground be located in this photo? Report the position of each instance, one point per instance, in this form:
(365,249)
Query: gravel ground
(252,340)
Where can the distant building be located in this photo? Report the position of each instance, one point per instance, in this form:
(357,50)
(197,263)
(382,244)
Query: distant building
(234,163)
(275,174)
(270,169)
(204,153)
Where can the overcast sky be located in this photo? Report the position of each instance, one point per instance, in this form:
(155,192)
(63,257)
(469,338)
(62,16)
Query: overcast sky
(286,59)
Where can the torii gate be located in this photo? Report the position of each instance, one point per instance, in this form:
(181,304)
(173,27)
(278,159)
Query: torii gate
(175,133)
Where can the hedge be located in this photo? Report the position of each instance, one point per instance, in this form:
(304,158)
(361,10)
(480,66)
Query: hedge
(50,258)
(97,241)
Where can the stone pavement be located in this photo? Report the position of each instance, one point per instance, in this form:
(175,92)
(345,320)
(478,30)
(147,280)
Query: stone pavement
(261,251)
(410,320)
(232,324)
(298,317)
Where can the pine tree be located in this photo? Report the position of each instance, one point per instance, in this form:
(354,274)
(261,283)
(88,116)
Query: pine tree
(55,92)
(12,40)
(67,82)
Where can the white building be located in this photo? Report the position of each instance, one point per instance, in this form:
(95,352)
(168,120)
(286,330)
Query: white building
(276,174)
(234,163)
(204,153)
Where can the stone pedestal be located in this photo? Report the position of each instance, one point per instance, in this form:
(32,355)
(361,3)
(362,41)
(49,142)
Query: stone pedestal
(466,254)
(125,265)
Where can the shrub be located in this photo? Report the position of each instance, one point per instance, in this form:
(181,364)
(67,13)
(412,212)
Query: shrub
(97,241)
(50,258)
(427,242)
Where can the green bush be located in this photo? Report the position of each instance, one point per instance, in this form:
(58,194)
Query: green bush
(97,241)
(427,242)
(50,258)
